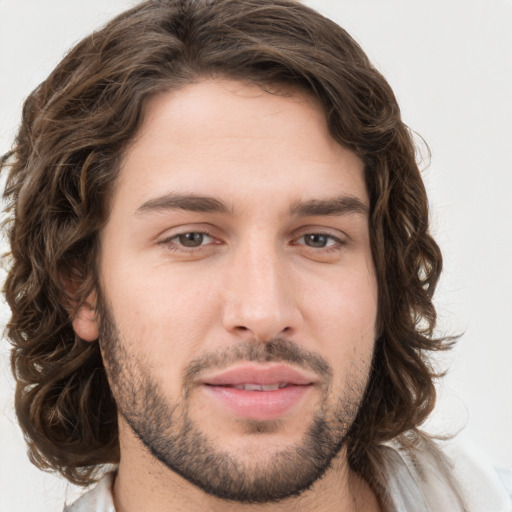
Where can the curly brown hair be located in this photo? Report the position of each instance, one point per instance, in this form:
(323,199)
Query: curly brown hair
(64,165)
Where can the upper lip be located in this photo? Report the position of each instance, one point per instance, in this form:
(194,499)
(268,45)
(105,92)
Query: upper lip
(259,374)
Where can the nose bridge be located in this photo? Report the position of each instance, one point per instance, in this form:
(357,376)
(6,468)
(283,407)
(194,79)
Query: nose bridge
(258,295)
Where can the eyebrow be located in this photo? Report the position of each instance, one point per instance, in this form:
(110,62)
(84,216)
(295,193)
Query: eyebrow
(341,205)
(188,202)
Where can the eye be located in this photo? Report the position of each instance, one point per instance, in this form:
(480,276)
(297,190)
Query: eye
(319,240)
(191,239)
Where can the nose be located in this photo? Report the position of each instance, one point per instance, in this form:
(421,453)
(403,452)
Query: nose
(260,303)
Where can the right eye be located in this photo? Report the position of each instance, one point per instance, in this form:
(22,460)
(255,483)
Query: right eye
(191,239)
(189,242)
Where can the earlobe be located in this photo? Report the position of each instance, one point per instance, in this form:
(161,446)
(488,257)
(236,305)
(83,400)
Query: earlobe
(85,321)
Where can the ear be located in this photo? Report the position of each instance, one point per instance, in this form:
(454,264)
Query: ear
(85,321)
(83,317)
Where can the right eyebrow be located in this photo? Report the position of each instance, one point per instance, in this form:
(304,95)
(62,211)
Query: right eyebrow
(188,202)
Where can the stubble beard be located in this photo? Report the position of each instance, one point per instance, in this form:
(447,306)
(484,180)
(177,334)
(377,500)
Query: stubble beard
(172,436)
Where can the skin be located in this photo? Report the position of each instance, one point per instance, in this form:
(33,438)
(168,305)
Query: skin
(257,275)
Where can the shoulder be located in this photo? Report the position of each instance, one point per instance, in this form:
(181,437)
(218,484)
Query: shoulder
(98,499)
(484,486)
(445,476)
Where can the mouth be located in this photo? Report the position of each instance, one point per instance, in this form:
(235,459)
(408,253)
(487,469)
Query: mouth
(260,375)
(258,387)
(259,392)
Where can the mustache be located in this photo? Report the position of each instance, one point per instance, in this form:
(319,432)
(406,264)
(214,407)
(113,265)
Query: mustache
(275,350)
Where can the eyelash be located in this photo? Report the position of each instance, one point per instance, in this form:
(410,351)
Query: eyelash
(172,245)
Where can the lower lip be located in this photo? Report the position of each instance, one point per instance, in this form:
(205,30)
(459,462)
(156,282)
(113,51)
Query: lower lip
(258,405)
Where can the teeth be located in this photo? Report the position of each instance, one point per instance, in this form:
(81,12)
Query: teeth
(260,387)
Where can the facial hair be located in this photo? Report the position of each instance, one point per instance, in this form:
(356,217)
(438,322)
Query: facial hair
(169,432)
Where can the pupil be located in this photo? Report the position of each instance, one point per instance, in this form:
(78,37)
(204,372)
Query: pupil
(191,239)
(316,240)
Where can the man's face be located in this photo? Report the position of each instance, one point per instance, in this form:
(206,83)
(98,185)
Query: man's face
(239,292)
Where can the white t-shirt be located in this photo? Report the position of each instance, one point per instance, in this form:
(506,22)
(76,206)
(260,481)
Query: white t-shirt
(413,484)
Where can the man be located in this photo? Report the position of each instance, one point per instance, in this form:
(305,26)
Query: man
(222,272)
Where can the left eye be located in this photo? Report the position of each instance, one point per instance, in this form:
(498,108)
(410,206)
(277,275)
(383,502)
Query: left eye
(192,239)
(318,240)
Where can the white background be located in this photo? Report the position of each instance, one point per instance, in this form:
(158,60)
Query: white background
(450,64)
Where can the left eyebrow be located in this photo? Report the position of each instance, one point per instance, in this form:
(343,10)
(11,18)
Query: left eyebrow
(342,205)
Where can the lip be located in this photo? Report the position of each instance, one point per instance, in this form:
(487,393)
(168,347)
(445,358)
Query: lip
(258,405)
(259,374)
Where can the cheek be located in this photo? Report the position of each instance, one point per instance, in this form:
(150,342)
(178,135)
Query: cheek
(343,314)
(165,315)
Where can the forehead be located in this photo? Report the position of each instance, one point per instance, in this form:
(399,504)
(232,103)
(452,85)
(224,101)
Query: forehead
(228,139)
